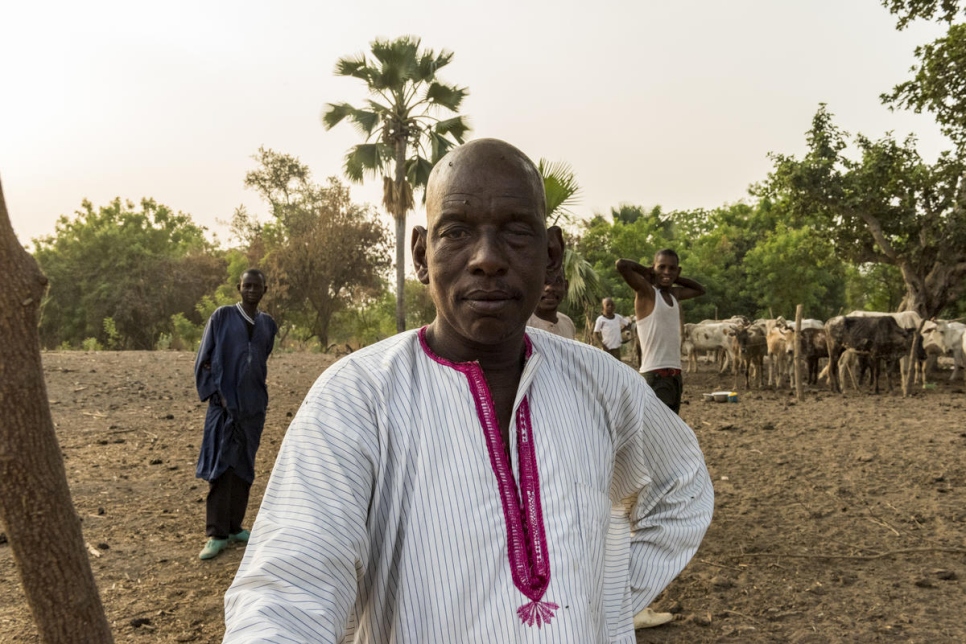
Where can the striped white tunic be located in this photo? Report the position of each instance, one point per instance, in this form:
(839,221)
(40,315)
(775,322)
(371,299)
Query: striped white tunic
(382,520)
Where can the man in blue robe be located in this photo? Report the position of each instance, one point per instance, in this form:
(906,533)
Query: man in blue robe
(230,372)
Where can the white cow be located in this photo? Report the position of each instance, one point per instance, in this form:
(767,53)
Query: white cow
(709,336)
(945,338)
(962,347)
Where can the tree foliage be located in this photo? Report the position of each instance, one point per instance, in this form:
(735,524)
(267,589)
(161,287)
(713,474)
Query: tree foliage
(751,261)
(885,206)
(136,266)
(321,251)
(404,134)
(374,319)
(938,85)
(561,189)
(910,10)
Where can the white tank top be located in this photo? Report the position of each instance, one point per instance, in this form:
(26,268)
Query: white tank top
(660,335)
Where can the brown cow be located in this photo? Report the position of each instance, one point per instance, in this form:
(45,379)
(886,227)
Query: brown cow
(752,350)
(813,348)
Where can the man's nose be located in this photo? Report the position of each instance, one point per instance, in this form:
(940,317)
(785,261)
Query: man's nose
(489,254)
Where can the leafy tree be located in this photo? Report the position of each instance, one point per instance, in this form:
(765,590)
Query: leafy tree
(561,190)
(321,251)
(629,232)
(404,137)
(716,260)
(792,266)
(137,266)
(909,10)
(375,318)
(872,287)
(938,85)
(584,292)
(585,289)
(887,206)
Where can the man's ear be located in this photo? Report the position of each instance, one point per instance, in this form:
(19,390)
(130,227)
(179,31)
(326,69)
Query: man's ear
(555,249)
(418,247)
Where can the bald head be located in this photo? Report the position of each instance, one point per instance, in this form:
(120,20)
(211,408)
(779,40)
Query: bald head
(471,168)
(486,249)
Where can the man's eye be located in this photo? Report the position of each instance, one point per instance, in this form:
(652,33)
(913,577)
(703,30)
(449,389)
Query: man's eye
(453,233)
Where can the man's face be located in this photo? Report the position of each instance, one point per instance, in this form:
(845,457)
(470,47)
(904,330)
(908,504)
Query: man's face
(608,306)
(666,270)
(485,252)
(252,288)
(553,295)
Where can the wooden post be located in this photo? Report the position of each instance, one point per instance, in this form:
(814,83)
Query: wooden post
(35,505)
(799,393)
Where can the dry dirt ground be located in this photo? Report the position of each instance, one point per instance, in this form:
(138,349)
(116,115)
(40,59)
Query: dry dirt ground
(837,519)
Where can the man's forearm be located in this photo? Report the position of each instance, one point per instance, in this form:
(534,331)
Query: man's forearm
(631,265)
(689,283)
(634,273)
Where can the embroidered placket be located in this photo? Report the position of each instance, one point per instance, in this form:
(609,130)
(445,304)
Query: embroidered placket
(526,537)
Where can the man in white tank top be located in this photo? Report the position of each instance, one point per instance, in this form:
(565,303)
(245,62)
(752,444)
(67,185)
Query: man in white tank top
(659,329)
(657,291)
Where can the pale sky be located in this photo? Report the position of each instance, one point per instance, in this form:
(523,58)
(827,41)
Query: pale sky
(671,103)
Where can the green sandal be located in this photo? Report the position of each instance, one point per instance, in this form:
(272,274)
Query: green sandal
(212,548)
(241,536)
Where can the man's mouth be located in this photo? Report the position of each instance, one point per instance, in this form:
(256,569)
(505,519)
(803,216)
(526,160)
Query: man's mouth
(489,301)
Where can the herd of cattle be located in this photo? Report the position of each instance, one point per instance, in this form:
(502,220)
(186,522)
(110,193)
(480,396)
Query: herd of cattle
(851,346)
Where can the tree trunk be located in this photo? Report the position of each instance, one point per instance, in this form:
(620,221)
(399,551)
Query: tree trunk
(399,218)
(929,295)
(35,504)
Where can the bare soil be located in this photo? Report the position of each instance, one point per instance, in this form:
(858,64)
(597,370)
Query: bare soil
(840,518)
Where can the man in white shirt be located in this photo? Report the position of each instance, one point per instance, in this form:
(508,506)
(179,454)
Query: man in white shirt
(455,483)
(546,316)
(608,328)
(658,289)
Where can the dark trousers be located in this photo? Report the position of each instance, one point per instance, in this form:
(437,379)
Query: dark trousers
(668,388)
(227,502)
(614,352)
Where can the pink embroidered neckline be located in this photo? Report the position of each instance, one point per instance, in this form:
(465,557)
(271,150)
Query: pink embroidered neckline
(527,550)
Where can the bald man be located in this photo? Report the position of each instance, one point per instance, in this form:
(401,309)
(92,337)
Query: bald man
(455,483)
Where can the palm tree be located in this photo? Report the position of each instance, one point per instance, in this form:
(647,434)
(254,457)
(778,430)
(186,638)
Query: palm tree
(404,137)
(560,186)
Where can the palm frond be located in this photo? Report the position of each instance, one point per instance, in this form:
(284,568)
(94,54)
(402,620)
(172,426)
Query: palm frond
(355,66)
(334,113)
(457,127)
(438,145)
(418,169)
(560,186)
(398,62)
(364,120)
(430,64)
(363,159)
(447,96)
(586,287)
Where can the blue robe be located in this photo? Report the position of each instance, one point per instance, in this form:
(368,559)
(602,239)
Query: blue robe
(237,372)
